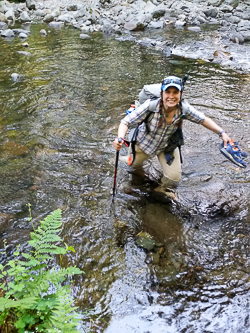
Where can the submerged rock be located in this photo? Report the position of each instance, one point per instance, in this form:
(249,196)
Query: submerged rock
(145,241)
(13,149)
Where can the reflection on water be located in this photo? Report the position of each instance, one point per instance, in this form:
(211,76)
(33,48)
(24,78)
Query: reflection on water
(56,128)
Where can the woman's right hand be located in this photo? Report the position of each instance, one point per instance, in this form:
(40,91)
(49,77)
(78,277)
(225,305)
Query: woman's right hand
(117,143)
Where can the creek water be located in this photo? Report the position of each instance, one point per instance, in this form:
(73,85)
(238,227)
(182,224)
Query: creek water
(57,124)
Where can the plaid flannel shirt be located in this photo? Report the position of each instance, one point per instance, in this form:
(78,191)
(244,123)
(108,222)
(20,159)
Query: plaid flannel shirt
(154,140)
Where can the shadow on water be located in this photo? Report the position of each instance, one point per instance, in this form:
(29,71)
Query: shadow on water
(57,125)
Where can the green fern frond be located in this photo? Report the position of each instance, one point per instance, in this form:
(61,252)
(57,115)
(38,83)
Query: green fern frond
(28,281)
(6,303)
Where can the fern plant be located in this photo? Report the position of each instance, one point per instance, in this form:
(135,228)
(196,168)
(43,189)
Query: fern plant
(34,299)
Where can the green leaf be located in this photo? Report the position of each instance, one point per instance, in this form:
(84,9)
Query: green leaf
(71,248)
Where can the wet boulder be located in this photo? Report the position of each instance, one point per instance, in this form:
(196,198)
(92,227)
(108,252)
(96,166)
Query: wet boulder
(208,199)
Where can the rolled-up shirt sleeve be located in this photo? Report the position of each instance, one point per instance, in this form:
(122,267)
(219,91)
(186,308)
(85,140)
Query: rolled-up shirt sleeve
(137,116)
(192,114)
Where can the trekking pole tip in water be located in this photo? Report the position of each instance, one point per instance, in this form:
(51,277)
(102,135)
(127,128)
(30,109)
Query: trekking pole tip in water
(116,166)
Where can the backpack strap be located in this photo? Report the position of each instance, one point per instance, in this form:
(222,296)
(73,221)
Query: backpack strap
(153,104)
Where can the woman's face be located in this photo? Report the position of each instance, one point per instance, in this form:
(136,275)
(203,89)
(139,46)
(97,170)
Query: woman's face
(171,97)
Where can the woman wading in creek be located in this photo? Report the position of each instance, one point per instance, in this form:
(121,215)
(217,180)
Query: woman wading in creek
(160,130)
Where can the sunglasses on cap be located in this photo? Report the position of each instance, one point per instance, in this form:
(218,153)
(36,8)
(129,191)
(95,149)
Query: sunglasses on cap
(168,81)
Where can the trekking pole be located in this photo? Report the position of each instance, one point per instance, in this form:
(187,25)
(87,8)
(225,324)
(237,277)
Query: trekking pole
(116,166)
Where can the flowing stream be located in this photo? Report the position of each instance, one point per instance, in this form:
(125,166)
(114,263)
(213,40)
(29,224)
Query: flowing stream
(57,124)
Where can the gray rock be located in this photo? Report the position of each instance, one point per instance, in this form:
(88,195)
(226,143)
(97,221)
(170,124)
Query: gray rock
(10,14)
(196,29)
(56,12)
(84,36)
(85,28)
(145,243)
(43,32)
(201,19)
(25,45)
(7,33)
(215,3)
(30,4)
(233,19)
(56,25)
(15,77)
(244,24)
(48,18)
(233,3)
(237,38)
(3,26)
(180,23)
(158,13)
(133,26)
(23,35)
(81,13)
(19,31)
(246,35)
(24,17)
(72,8)
(150,7)
(156,24)
(25,53)
(40,12)
(67,18)
(211,12)
(226,8)
(107,26)
(3,18)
